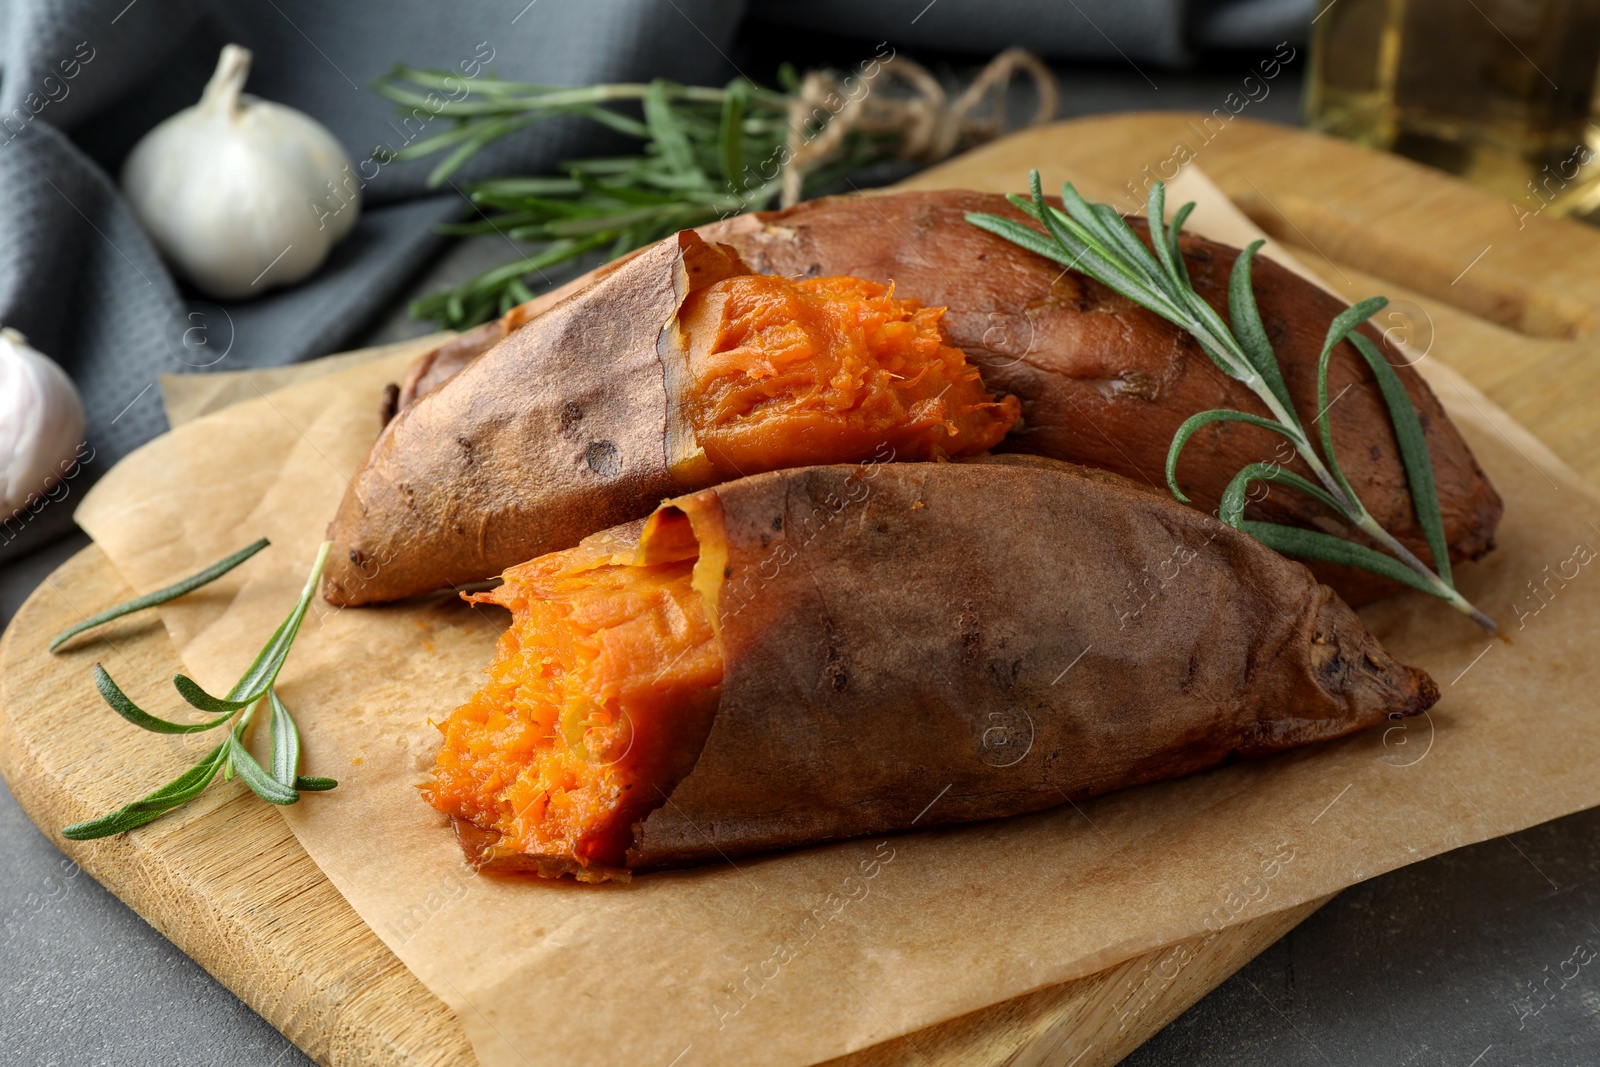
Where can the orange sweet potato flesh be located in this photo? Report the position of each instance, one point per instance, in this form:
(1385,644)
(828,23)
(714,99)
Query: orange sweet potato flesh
(674,371)
(895,646)
(600,695)
(787,373)
(1105,383)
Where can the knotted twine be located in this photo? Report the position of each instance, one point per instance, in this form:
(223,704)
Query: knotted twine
(927,126)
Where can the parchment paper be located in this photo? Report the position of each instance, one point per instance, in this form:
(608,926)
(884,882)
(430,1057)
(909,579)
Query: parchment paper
(797,957)
(186,397)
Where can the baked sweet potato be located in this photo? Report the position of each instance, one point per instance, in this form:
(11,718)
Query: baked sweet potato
(1106,383)
(893,645)
(675,371)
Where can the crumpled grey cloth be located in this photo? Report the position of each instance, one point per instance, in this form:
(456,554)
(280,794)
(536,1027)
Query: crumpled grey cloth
(81,280)
(1163,33)
(82,80)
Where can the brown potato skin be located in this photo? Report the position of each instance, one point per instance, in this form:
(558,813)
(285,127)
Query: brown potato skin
(1106,383)
(435,366)
(874,655)
(866,673)
(559,431)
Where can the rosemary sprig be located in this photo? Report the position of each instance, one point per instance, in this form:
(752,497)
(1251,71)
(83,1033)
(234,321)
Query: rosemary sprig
(1097,240)
(161,596)
(283,784)
(708,153)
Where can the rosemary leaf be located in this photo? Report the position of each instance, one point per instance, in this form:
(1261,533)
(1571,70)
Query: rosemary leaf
(458,159)
(517,187)
(260,782)
(315,785)
(180,790)
(1166,245)
(1311,544)
(427,146)
(197,697)
(1235,496)
(615,120)
(1180,268)
(1205,418)
(119,702)
(285,742)
(1116,232)
(730,135)
(1247,326)
(670,139)
(264,671)
(161,596)
(584,227)
(1342,324)
(1413,455)
(1018,234)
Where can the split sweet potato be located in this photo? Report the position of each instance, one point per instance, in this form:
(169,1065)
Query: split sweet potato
(674,371)
(1106,383)
(827,652)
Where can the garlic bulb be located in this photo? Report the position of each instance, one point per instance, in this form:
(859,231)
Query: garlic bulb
(241,195)
(41,424)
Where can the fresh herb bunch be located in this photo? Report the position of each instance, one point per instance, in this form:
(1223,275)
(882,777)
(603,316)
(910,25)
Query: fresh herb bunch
(708,153)
(283,784)
(1096,240)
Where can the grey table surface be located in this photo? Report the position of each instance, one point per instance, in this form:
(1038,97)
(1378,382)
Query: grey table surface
(1433,965)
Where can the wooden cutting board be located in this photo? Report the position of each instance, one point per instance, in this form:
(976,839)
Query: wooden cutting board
(1512,301)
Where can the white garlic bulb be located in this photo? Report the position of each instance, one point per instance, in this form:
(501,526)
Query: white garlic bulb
(41,424)
(241,195)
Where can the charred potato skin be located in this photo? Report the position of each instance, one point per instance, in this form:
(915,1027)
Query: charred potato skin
(872,657)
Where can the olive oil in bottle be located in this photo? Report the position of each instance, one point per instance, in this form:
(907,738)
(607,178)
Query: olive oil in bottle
(1497,92)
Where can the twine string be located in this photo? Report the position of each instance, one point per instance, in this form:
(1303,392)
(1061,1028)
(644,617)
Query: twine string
(927,125)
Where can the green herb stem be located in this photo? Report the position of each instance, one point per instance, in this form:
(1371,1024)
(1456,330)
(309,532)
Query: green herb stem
(1095,239)
(1436,585)
(706,153)
(506,97)
(281,785)
(161,596)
